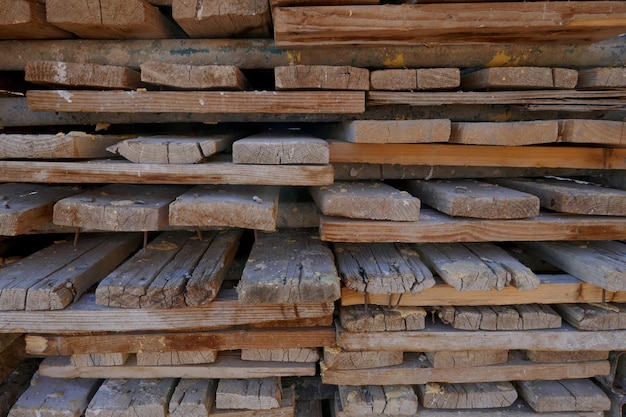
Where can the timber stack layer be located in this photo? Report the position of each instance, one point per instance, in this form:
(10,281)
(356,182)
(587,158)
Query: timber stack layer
(312,208)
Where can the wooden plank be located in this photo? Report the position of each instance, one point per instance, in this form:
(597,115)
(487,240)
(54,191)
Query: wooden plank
(593,316)
(438,78)
(376,318)
(118,207)
(556,356)
(393,79)
(407,24)
(599,78)
(200,102)
(337,358)
(73,145)
(571,196)
(290,266)
(171,149)
(392,131)
(505,133)
(467,358)
(114,19)
(248,394)
(463,396)
(382,268)
(396,400)
(281,355)
(605,132)
(245,206)
(280,149)
(286,408)
(27,206)
(132,397)
(414,371)
(366,200)
(223,19)
(25,19)
(520,78)
(226,366)
(519,317)
(566,395)
(98,359)
(321,77)
(79,75)
(599,263)
(175,358)
(193,77)
(192,398)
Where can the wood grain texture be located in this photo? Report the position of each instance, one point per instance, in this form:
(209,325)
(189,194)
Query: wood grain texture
(81,75)
(566,395)
(287,408)
(71,145)
(467,396)
(505,133)
(392,131)
(248,394)
(604,132)
(138,397)
(321,77)
(98,359)
(556,356)
(415,79)
(519,78)
(193,77)
(468,358)
(280,354)
(593,316)
(25,19)
(337,358)
(280,149)
(179,357)
(192,398)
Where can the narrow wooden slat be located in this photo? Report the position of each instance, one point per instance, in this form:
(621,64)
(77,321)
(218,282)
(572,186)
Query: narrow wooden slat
(70,74)
(321,77)
(193,77)
(505,133)
(25,19)
(398,400)
(392,131)
(280,149)
(519,78)
(566,395)
(605,132)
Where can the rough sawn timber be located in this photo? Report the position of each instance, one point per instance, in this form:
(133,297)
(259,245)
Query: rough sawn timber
(280,149)
(519,78)
(81,75)
(466,396)
(321,77)
(193,77)
(71,145)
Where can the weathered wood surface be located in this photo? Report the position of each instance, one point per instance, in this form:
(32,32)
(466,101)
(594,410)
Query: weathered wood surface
(575,356)
(115,19)
(472,198)
(73,145)
(321,77)
(366,200)
(599,78)
(392,131)
(25,19)
(337,358)
(81,75)
(223,18)
(413,371)
(251,394)
(415,79)
(244,206)
(171,149)
(566,395)
(377,318)
(382,268)
(519,78)
(467,358)
(464,396)
(192,398)
(132,397)
(408,24)
(24,207)
(600,263)
(226,366)
(398,400)
(281,355)
(518,317)
(178,357)
(249,338)
(197,101)
(98,359)
(291,266)
(505,133)
(569,196)
(594,316)
(55,397)
(193,77)
(280,149)
(285,409)
(438,227)
(56,276)
(605,132)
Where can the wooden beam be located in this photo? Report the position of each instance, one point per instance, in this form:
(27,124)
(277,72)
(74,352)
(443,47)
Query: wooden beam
(148,397)
(321,77)
(77,75)
(505,133)
(248,394)
(519,78)
(567,395)
(71,145)
(193,77)
(468,358)
(372,400)
(479,395)
(337,358)
(26,19)
(276,148)
(280,354)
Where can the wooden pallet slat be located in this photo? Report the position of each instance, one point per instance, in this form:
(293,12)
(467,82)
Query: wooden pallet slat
(122,396)
(467,358)
(248,394)
(192,397)
(593,316)
(378,318)
(287,408)
(398,400)
(392,131)
(337,358)
(518,317)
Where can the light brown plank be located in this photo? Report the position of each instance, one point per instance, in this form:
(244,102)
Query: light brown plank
(505,133)
(467,396)
(136,397)
(594,316)
(192,398)
(193,77)
(519,317)
(519,78)
(280,149)
(175,358)
(79,75)
(25,19)
(280,354)
(248,394)
(438,78)
(604,132)
(599,78)
(321,77)
(73,145)
(392,131)
(468,358)
(398,400)
(98,359)
(566,395)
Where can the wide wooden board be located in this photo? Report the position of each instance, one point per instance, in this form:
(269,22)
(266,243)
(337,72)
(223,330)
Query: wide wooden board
(604,132)
(25,19)
(467,395)
(81,75)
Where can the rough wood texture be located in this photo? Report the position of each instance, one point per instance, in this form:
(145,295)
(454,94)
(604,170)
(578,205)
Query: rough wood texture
(566,395)
(594,316)
(600,263)
(599,78)
(520,78)
(463,396)
(382,268)
(171,149)
(398,400)
(98,359)
(438,78)
(193,77)
(176,358)
(24,207)
(251,394)
(519,317)
(392,131)
(280,149)
(471,198)
(244,206)
(26,19)
(505,133)
(321,77)
(73,145)
(286,408)
(118,207)
(376,318)
(132,397)
(192,398)
(200,102)
(291,266)
(466,358)
(111,19)
(557,356)
(70,74)
(281,355)
(223,18)
(605,132)
(175,270)
(337,358)
(571,196)
(407,24)
(415,79)
(366,200)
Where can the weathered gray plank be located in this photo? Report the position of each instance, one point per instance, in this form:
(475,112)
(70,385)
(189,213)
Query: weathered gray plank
(394,400)
(277,148)
(281,355)
(464,396)
(192,398)
(337,358)
(466,358)
(378,318)
(254,393)
(132,397)
(286,409)
(565,395)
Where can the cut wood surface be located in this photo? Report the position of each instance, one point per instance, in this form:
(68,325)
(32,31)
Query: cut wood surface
(366,200)
(70,74)
(566,395)
(605,132)
(178,357)
(415,79)
(382,268)
(132,397)
(223,18)
(468,358)
(472,198)
(171,149)
(519,78)
(281,355)
(192,398)
(250,394)
(398,400)
(118,207)
(286,408)
(414,371)
(518,317)
(73,145)
(226,366)
(24,207)
(273,102)
(505,133)
(26,19)
(98,359)
(600,263)
(408,24)
(377,318)
(337,358)
(244,206)
(290,266)
(113,19)
(569,196)
(599,78)
(280,149)
(392,131)
(556,356)
(594,316)
(321,77)
(469,395)
(193,77)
